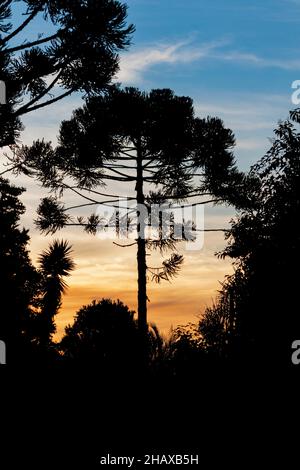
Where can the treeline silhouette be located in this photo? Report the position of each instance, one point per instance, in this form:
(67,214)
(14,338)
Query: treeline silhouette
(50,50)
(252,323)
(254,319)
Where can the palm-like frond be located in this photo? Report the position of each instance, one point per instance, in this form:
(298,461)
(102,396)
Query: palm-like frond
(56,261)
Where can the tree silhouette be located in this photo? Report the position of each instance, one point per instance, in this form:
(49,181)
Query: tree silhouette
(30,297)
(144,140)
(55,264)
(103,333)
(18,277)
(185,355)
(74,50)
(220,325)
(258,304)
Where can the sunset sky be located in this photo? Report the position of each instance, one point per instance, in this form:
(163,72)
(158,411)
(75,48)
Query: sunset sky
(237,60)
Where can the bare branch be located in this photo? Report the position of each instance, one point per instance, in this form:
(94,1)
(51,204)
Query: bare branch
(151,160)
(20,28)
(31,44)
(106,195)
(46,103)
(79,206)
(212,230)
(130,178)
(197,203)
(9,170)
(125,246)
(40,96)
(115,178)
(127,155)
(103,203)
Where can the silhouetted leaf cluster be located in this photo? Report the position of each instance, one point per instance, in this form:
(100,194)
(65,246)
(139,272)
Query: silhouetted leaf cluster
(258,303)
(75,50)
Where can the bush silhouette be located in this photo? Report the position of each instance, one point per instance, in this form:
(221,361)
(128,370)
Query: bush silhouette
(104,333)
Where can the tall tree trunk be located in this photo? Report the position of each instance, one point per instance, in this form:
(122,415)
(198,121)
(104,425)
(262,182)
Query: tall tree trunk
(141,248)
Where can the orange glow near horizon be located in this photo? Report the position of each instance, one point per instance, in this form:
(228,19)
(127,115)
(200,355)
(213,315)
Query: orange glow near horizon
(105,270)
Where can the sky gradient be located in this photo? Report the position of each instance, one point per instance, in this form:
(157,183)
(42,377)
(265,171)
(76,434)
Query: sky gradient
(237,60)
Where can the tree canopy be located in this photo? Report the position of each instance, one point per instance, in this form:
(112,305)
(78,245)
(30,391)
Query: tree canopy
(75,50)
(103,333)
(256,316)
(152,142)
(30,296)
(18,277)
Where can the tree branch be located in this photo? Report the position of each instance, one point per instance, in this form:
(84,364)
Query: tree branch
(79,206)
(31,44)
(9,169)
(151,160)
(211,230)
(197,203)
(129,157)
(92,202)
(188,196)
(102,194)
(40,96)
(150,171)
(115,178)
(125,246)
(20,28)
(46,103)
(130,178)
(117,165)
(103,203)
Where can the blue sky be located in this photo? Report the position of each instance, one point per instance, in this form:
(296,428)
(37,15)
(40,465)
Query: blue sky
(237,60)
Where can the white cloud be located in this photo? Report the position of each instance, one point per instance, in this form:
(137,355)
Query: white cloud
(253,59)
(245,111)
(134,64)
(250,144)
(251,116)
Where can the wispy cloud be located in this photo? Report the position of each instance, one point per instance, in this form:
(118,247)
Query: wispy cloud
(295,2)
(253,59)
(134,64)
(245,111)
(252,117)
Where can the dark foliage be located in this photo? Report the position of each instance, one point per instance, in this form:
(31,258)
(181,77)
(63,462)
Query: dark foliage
(105,334)
(256,318)
(74,51)
(18,277)
(30,297)
(137,138)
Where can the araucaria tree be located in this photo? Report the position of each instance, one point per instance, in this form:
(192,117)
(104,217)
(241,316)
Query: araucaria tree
(75,50)
(152,141)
